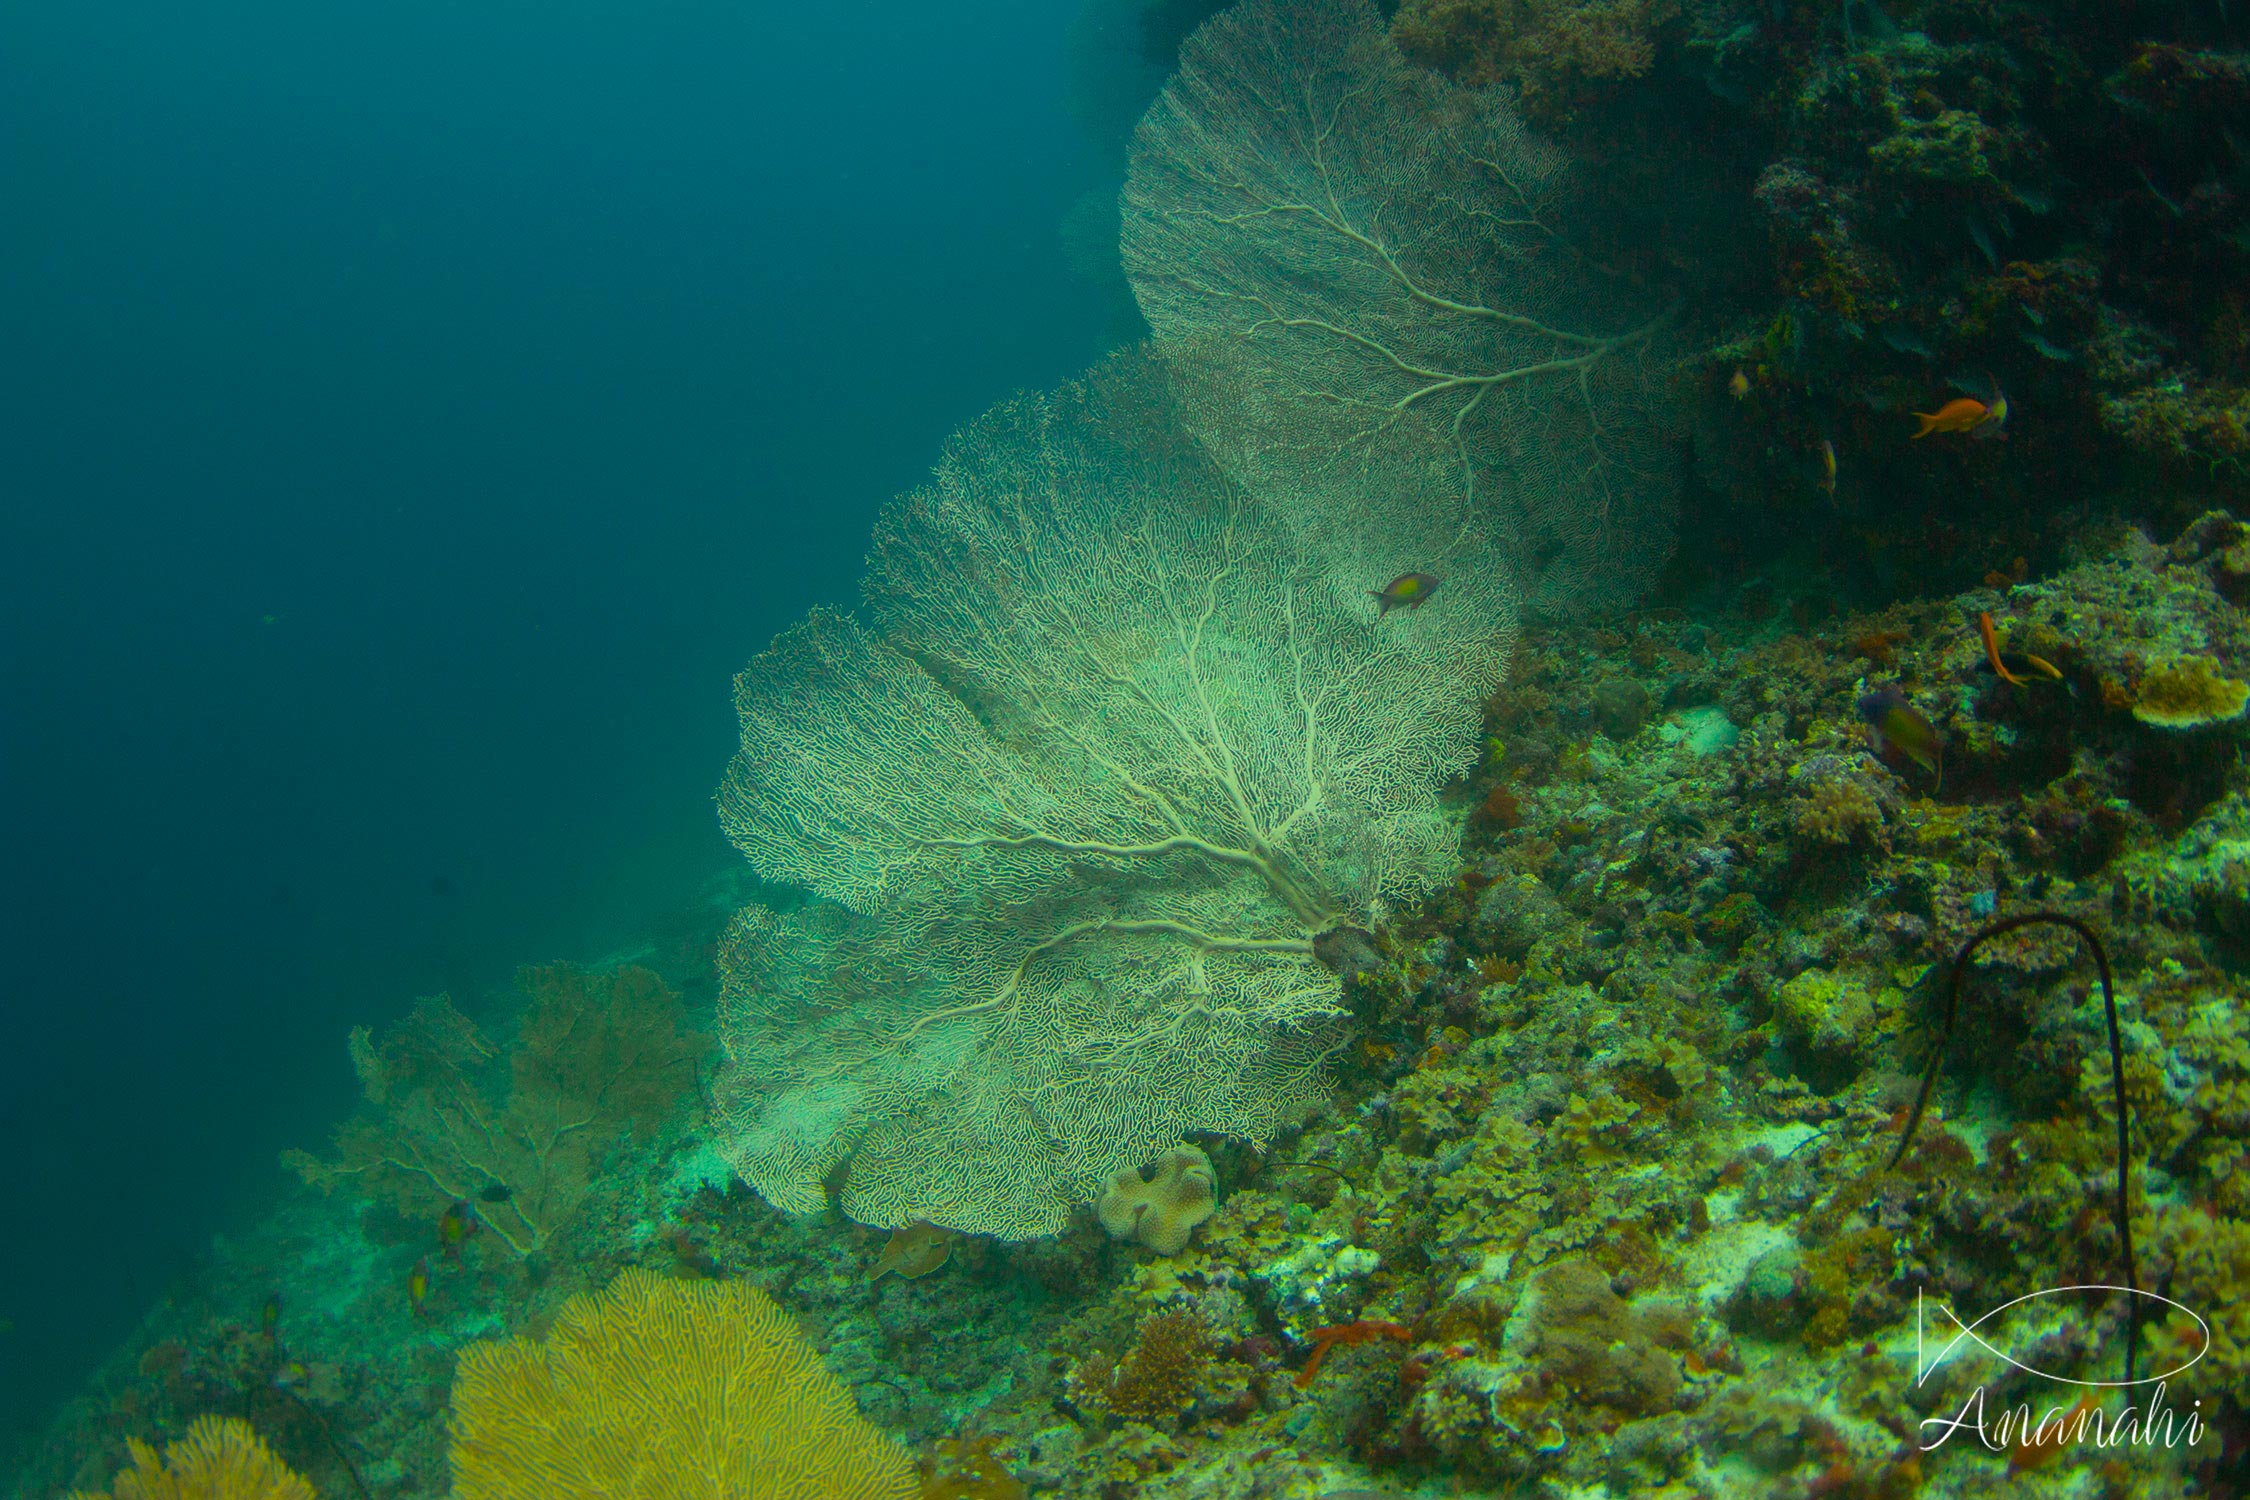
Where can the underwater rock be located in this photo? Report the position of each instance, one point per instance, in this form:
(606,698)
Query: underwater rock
(1771,1299)
(1307,1283)
(1704,730)
(1620,707)
(1163,1210)
(1591,1341)
(2225,542)
(1514,913)
(1824,1014)
(1650,1453)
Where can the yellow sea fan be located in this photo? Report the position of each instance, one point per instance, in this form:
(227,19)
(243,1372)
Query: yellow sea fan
(220,1458)
(665,1390)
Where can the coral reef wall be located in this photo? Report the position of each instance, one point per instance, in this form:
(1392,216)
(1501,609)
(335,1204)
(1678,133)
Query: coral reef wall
(1878,208)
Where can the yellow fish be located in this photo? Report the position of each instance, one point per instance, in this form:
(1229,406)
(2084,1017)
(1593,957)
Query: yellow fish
(1739,386)
(1407,591)
(1995,416)
(1828,467)
(1897,723)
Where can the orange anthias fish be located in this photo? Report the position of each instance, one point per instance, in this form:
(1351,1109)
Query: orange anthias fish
(1407,591)
(2040,667)
(1897,723)
(1961,414)
(1966,414)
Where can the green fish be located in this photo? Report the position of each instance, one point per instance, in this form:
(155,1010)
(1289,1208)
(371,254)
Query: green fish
(1407,591)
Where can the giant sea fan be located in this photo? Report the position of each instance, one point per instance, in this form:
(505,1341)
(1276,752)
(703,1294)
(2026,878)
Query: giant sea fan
(1366,282)
(1109,741)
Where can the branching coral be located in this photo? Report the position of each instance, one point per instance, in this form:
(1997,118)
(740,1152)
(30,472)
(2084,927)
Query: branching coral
(689,1390)
(1156,1379)
(448,1116)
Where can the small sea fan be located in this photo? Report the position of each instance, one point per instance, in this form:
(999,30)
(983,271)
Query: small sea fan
(220,1458)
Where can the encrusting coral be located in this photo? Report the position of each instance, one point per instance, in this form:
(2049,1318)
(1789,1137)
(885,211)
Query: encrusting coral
(1162,1210)
(2188,694)
(689,1390)
(1559,53)
(220,1458)
(1591,1342)
(965,1469)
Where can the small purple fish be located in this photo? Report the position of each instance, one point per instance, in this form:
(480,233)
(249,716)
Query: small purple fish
(1897,723)
(1407,591)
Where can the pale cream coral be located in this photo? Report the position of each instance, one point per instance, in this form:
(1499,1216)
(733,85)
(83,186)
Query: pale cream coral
(1163,1210)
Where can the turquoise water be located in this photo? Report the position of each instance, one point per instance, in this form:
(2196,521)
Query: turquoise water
(415,418)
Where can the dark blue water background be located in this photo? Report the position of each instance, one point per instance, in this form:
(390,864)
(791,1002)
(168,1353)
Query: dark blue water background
(411,414)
